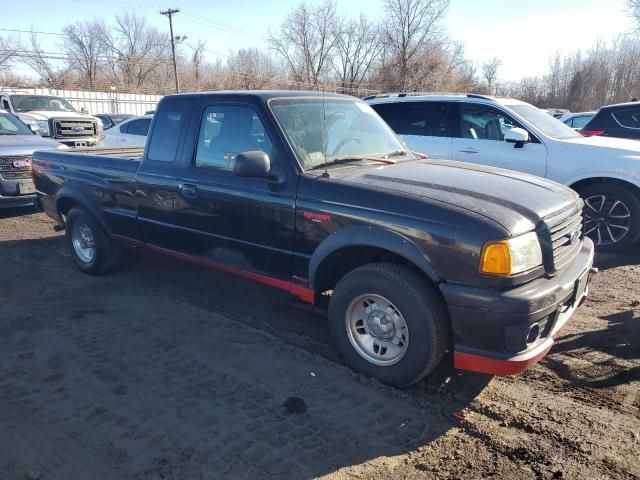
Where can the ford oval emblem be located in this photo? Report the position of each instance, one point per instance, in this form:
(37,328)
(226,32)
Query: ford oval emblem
(77,129)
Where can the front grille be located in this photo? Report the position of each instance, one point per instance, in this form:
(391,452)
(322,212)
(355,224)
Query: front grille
(10,171)
(63,128)
(564,234)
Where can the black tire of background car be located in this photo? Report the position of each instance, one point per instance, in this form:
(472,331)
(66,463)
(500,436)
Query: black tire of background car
(108,255)
(421,306)
(631,200)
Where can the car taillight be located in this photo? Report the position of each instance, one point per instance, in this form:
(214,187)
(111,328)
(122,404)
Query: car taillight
(591,133)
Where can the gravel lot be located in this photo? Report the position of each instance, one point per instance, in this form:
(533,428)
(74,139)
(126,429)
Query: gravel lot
(170,371)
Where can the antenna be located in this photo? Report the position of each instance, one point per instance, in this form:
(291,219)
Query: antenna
(324,138)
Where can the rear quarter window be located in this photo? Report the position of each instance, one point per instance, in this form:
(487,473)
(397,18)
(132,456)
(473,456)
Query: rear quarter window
(170,120)
(628,118)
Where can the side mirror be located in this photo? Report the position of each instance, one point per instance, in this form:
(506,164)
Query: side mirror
(519,136)
(252,164)
(84,110)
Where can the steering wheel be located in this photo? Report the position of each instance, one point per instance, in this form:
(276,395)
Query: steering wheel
(344,142)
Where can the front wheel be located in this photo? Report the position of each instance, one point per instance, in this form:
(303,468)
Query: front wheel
(611,217)
(389,323)
(91,248)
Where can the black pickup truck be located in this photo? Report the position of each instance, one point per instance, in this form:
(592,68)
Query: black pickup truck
(314,194)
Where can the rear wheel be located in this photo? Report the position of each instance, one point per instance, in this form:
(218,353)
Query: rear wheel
(91,248)
(611,216)
(388,323)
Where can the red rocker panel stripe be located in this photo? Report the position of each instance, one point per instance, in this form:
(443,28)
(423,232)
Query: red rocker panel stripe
(305,294)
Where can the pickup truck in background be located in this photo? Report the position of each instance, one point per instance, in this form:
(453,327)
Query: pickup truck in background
(53,117)
(314,194)
(17,144)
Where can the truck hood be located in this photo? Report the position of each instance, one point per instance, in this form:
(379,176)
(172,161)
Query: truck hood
(24,144)
(514,200)
(46,115)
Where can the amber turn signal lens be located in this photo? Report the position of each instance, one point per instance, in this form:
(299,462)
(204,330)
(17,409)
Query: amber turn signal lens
(496,258)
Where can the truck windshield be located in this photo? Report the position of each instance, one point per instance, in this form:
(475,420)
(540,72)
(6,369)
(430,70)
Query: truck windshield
(351,129)
(544,122)
(10,125)
(27,103)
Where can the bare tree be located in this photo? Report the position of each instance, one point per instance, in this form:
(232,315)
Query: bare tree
(634,11)
(358,47)
(250,69)
(8,53)
(307,41)
(490,72)
(412,32)
(137,51)
(84,44)
(45,65)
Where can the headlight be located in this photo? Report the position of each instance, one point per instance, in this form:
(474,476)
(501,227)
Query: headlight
(508,257)
(99,127)
(44,127)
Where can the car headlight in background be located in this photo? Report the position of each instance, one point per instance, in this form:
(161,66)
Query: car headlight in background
(42,126)
(508,257)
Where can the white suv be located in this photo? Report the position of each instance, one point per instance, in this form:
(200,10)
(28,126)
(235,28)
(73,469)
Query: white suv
(511,134)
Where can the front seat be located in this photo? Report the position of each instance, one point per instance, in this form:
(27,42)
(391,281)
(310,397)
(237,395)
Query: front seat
(235,134)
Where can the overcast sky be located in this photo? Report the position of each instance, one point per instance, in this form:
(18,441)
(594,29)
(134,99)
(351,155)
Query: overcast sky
(524,34)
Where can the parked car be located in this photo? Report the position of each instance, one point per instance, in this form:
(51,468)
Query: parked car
(622,121)
(314,194)
(53,117)
(110,120)
(130,133)
(511,134)
(17,143)
(577,120)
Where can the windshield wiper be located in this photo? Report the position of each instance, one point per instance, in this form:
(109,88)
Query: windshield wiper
(356,158)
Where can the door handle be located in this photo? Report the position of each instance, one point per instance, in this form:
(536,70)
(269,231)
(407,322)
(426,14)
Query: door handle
(188,190)
(469,150)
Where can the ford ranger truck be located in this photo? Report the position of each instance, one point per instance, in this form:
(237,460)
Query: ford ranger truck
(53,117)
(314,194)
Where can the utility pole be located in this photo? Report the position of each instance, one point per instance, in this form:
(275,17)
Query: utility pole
(169,13)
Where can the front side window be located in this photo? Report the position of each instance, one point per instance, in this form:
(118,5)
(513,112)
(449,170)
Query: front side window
(227,130)
(29,103)
(323,130)
(482,122)
(628,118)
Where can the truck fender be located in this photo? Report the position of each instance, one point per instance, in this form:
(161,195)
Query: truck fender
(370,236)
(80,198)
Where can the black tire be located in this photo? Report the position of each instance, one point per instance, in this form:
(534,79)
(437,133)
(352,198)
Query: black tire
(108,254)
(612,193)
(418,302)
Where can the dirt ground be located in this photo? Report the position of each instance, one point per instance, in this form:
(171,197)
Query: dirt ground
(170,371)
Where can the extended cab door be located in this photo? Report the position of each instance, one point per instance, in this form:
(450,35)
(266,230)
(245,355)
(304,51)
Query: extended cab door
(156,182)
(245,224)
(424,126)
(480,139)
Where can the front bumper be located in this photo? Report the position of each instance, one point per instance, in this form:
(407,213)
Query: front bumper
(16,201)
(502,332)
